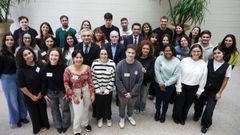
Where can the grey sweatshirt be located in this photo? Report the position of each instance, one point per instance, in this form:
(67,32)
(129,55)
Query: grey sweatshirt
(129,78)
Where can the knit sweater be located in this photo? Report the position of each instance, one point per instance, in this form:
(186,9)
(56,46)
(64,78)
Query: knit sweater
(167,71)
(103,76)
(60,35)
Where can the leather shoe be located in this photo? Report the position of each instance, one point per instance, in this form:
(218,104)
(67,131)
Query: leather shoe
(59,130)
(162,118)
(195,118)
(64,129)
(182,122)
(204,130)
(176,121)
(157,115)
(19,124)
(25,120)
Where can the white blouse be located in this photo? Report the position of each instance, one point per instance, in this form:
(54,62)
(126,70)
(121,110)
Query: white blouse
(192,73)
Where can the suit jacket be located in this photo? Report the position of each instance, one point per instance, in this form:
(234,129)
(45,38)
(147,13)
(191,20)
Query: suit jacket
(129,40)
(92,54)
(119,54)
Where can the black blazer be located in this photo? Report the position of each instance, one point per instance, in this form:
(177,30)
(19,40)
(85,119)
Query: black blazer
(119,54)
(92,54)
(129,40)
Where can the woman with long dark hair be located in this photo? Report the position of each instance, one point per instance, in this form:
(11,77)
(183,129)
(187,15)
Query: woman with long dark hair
(27,40)
(178,33)
(146,31)
(229,47)
(219,72)
(70,42)
(195,35)
(49,43)
(14,97)
(182,49)
(45,29)
(79,88)
(29,75)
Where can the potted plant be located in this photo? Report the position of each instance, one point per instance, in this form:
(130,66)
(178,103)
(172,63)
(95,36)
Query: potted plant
(187,12)
(5,22)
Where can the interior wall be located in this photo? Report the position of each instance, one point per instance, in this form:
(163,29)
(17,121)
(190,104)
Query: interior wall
(222,18)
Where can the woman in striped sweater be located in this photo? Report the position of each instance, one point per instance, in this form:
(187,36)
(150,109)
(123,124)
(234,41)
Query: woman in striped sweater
(103,71)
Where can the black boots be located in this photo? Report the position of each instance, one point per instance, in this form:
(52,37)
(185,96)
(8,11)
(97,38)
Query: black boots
(162,118)
(157,116)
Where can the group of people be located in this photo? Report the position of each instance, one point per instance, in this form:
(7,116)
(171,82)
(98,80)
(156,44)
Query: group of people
(84,68)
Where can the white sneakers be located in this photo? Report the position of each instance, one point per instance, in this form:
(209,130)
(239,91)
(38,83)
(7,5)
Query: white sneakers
(122,123)
(132,121)
(109,123)
(100,123)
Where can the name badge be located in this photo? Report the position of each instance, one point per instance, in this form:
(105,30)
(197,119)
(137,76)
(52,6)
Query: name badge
(37,69)
(74,77)
(126,74)
(109,70)
(136,72)
(44,53)
(49,74)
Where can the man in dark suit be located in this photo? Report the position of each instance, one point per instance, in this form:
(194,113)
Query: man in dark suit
(136,37)
(115,49)
(90,50)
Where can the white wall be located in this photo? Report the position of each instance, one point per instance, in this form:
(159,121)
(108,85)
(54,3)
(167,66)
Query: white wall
(223,16)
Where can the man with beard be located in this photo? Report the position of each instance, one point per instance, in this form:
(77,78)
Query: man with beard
(60,32)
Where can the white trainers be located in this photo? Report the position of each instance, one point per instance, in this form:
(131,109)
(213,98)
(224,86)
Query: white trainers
(122,123)
(100,123)
(136,111)
(109,123)
(132,121)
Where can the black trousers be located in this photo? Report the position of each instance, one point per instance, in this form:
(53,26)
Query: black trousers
(38,114)
(103,106)
(209,99)
(183,102)
(151,90)
(163,97)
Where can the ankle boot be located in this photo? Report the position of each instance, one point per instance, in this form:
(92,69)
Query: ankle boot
(162,118)
(157,115)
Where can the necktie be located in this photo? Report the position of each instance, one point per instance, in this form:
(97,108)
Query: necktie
(86,49)
(135,40)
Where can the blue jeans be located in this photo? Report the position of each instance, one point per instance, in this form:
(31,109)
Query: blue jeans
(140,104)
(15,99)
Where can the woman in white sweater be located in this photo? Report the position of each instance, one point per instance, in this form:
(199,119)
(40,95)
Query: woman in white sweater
(190,84)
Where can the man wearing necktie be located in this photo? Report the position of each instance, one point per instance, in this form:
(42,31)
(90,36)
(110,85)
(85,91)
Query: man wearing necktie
(90,50)
(136,37)
(86,49)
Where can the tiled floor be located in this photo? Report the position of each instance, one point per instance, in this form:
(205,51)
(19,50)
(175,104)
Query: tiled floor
(226,120)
